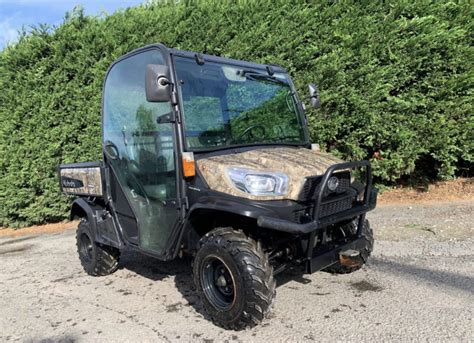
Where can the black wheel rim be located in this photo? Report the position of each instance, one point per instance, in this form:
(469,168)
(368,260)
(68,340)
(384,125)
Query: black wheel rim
(218,283)
(85,247)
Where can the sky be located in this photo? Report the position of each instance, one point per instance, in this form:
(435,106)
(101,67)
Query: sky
(17,13)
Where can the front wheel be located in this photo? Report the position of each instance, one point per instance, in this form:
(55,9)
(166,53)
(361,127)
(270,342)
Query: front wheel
(234,279)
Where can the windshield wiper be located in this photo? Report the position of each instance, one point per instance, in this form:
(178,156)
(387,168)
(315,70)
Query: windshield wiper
(243,145)
(256,76)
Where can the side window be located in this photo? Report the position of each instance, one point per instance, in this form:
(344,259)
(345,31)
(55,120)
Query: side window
(146,163)
(125,107)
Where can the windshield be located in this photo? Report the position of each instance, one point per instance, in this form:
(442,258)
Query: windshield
(226,105)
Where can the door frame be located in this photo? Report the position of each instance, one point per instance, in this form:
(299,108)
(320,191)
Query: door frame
(180,202)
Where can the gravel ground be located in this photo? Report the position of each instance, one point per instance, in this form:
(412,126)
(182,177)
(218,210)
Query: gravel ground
(418,286)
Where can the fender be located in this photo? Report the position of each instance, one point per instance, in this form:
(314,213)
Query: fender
(245,208)
(219,202)
(82,209)
(103,226)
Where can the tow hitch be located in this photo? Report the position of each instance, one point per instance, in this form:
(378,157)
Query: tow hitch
(350,258)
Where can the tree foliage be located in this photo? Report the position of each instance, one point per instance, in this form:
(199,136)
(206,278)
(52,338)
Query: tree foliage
(396,82)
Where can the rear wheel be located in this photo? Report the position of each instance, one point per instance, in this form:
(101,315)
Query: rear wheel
(96,259)
(349,230)
(234,279)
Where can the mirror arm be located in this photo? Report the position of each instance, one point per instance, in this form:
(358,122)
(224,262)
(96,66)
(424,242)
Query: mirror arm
(174,96)
(164,81)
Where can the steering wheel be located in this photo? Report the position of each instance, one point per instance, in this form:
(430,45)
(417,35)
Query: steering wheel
(212,138)
(248,131)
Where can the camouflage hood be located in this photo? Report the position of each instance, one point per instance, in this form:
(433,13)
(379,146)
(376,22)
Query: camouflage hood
(297,163)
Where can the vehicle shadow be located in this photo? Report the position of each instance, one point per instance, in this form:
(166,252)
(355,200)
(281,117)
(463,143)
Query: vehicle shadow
(437,277)
(295,274)
(62,339)
(156,270)
(181,270)
(152,268)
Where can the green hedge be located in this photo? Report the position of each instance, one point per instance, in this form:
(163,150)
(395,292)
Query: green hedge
(396,83)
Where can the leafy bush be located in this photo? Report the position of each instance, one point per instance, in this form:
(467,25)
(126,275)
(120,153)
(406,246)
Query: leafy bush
(396,83)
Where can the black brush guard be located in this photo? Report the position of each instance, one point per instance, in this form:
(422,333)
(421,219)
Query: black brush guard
(318,224)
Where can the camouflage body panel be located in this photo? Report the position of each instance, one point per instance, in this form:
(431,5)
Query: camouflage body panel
(297,163)
(81,181)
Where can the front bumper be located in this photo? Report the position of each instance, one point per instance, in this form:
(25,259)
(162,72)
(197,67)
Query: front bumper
(318,224)
(320,259)
(323,260)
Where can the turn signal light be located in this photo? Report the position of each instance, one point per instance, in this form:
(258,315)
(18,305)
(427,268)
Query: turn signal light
(189,167)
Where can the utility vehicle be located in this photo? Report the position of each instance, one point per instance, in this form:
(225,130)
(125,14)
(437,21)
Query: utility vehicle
(211,157)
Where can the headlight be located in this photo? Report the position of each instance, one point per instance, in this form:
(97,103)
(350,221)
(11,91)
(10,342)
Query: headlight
(258,183)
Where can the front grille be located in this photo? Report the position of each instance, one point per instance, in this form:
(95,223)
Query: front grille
(337,206)
(328,208)
(312,182)
(309,187)
(339,200)
(344,184)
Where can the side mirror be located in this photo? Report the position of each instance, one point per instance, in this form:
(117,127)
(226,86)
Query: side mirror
(314,95)
(157,83)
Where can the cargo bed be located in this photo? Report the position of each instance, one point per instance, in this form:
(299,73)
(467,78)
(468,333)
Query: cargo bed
(84,179)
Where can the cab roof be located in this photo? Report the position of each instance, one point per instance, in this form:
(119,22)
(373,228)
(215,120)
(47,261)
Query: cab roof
(205,57)
(218,59)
